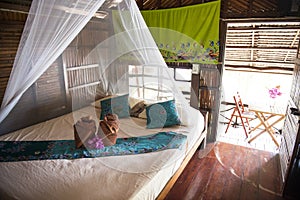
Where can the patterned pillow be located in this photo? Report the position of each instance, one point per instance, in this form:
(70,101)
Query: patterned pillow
(162,114)
(115,105)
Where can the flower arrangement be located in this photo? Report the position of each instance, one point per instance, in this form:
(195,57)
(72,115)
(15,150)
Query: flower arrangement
(274,92)
(95,143)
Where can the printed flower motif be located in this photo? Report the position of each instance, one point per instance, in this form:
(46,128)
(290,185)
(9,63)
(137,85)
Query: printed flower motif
(187,51)
(162,112)
(274,92)
(95,143)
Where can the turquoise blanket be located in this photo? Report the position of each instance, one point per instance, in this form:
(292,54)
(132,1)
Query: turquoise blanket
(11,151)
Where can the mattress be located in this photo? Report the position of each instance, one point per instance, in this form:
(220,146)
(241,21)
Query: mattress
(140,176)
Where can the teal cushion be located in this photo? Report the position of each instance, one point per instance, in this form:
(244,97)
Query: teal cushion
(162,114)
(116,105)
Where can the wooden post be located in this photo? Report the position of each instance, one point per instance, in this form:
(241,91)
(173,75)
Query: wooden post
(195,87)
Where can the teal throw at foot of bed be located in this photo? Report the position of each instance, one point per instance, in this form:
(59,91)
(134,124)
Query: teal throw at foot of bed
(11,151)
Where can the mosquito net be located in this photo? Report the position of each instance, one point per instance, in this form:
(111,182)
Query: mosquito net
(88,49)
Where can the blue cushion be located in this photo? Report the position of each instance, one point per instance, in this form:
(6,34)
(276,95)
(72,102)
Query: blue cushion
(162,114)
(115,105)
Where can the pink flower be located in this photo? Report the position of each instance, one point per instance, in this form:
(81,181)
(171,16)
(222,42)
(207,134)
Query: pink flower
(274,92)
(95,143)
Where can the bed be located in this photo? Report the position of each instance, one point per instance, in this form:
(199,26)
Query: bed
(115,54)
(140,176)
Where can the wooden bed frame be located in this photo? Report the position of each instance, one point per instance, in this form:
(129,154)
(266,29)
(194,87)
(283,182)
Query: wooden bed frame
(200,143)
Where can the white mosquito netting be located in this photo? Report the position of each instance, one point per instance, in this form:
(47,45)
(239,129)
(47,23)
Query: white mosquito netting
(103,48)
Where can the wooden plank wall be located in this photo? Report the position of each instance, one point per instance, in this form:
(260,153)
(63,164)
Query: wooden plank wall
(10,34)
(290,131)
(46,98)
(11,27)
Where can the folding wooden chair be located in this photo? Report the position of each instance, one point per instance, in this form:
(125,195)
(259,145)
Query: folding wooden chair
(240,113)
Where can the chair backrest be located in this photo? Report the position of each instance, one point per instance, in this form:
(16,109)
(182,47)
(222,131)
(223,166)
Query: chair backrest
(238,102)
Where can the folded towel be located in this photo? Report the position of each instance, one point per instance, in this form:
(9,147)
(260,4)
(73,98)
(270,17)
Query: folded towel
(108,129)
(84,129)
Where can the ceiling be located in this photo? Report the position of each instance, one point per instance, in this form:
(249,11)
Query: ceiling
(229,9)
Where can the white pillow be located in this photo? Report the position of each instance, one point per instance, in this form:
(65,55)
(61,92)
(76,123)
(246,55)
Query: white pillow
(183,112)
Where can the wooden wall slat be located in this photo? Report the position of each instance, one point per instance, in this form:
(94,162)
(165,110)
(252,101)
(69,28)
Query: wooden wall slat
(10,34)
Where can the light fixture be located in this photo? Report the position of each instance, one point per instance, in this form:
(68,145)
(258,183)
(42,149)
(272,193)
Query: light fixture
(100,14)
(114,3)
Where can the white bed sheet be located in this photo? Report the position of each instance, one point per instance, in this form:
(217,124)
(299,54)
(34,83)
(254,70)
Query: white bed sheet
(140,176)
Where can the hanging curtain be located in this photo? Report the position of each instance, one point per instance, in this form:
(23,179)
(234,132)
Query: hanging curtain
(50,28)
(187,34)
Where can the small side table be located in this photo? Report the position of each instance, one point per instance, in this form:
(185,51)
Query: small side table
(264,116)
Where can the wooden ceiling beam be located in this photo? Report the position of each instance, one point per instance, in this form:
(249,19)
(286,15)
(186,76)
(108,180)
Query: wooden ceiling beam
(263,20)
(289,28)
(14,7)
(140,4)
(258,61)
(179,3)
(260,68)
(250,8)
(158,4)
(261,48)
(283,72)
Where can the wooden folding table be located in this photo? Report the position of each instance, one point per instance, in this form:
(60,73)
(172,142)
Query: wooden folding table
(265,116)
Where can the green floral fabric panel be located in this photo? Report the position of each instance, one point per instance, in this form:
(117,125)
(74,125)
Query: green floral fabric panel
(186,34)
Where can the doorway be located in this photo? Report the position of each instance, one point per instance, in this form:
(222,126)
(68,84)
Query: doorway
(259,56)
